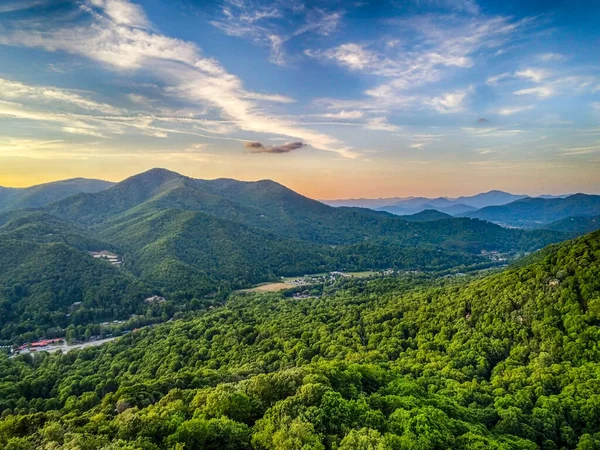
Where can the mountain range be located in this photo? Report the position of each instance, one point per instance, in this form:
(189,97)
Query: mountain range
(503,208)
(454,206)
(191,240)
(530,212)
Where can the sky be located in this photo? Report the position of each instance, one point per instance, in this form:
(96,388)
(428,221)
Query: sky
(334,99)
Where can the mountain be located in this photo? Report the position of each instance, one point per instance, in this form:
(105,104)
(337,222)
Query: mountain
(413,205)
(427,215)
(490,198)
(576,225)
(505,361)
(531,212)
(452,210)
(43,194)
(264,205)
(371,203)
(456,210)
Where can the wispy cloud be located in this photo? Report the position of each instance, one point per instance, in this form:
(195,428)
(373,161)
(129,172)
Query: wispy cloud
(565,85)
(450,102)
(241,18)
(15,90)
(343,115)
(576,151)
(509,111)
(20,5)
(437,48)
(380,124)
(535,75)
(494,80)
(540,91)
(551,57)
(122,45)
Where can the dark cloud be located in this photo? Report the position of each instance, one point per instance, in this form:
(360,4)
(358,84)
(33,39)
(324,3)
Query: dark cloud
(259,147)
(482,120)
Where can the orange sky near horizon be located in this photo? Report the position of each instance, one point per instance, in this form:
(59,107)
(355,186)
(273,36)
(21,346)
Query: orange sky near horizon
(340,178)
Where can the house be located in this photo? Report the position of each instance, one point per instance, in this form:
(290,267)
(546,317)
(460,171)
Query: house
(155,299)
(41,344)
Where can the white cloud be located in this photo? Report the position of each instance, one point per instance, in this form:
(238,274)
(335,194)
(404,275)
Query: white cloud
(353,56)
(576,151)
(514,110)
(450,102)
(540,91)
(595,105)
(437,47)
(551,57)
(493,81)
(492,131)
(535,75)
(343,115)
(123,12)
(380,124)
(179,64)
(15,90)
(242,18)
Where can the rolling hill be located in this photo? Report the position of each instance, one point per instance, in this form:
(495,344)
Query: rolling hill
(507,361)
(427,215)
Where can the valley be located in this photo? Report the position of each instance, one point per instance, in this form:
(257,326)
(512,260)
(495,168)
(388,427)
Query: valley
(266,310)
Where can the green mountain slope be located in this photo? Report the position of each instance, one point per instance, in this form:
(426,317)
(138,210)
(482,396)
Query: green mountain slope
(40,282)
(509,361)
(427,215)
(44,194)
(268,206)
(578,225)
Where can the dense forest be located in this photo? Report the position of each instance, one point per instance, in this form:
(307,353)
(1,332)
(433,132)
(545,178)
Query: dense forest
(507,361)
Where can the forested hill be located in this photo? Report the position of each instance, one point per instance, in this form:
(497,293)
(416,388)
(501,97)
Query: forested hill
(510,361)
(271,207)
(41,195)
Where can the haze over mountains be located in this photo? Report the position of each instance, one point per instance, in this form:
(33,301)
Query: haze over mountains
(452,206)
(498,207)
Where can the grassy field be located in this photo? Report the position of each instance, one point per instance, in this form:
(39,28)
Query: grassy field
(268,287)
(284,283)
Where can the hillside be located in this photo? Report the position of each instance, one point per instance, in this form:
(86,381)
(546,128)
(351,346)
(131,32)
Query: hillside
(427,215)
(531,212)
(43,194)
(508,361)
(577,225)
(41,282)
(273,208)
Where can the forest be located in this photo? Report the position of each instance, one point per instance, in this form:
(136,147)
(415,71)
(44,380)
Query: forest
(505,361)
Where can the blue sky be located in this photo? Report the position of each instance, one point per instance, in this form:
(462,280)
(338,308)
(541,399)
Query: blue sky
(332,98)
